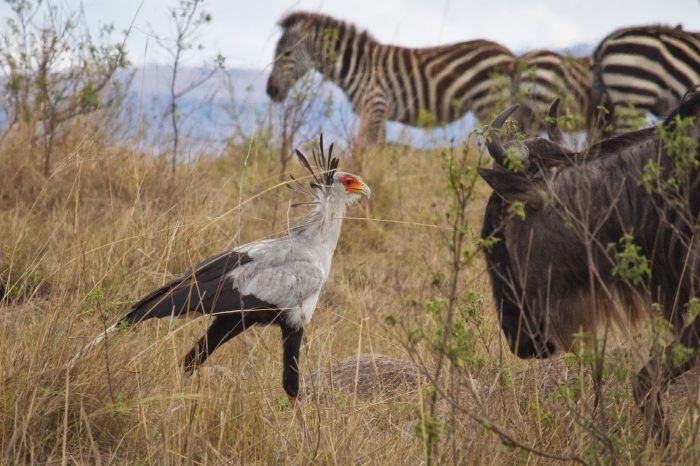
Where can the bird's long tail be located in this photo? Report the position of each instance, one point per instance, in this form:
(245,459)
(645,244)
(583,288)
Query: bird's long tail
(80,354)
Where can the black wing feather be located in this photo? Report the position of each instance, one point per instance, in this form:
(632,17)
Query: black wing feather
(202,288)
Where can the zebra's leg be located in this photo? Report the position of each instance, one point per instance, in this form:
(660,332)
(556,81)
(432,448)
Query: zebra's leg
(219,332)
(655,376)
(371,132)
(373,120)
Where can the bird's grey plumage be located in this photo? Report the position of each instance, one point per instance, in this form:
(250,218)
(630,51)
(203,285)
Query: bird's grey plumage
(270,281)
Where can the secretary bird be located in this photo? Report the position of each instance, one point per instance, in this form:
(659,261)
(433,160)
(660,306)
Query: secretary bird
(271,281)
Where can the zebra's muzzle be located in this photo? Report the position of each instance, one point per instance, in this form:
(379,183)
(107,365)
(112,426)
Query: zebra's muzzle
(273,92)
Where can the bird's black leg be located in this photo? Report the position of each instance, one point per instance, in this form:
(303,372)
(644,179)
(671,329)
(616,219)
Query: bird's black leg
(220,331)
(291,342)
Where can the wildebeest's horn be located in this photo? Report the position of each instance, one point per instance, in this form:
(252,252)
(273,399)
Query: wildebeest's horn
(493,140)
(553,130)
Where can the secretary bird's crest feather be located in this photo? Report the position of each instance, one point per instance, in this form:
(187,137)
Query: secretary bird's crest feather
(325,163)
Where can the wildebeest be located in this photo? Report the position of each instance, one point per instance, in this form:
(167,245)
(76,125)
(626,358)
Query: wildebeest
(587,239)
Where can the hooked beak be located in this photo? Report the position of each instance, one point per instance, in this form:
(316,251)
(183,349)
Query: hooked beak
(362,189)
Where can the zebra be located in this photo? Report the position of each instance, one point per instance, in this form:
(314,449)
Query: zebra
(540,77)
(415,86)
(642,69)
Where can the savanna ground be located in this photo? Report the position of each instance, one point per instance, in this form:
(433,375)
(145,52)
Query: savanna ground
(111,223)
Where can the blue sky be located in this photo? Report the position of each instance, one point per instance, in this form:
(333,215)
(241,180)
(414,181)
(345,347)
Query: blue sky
(244,31)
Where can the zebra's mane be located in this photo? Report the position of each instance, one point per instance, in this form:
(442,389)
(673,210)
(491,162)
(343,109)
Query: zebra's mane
(320,20)
(649,29)
(654,29)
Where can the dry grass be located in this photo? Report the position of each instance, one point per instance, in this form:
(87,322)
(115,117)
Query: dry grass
(111,224)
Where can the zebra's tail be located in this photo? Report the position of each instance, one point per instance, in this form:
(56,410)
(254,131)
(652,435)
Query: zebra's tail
(84,350)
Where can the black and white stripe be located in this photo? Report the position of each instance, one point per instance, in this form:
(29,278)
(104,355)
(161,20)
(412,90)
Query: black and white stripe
(645,68)
(540,77)
(414,86)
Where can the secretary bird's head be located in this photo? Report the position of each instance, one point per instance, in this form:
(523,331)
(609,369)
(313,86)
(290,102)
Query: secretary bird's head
(327,181)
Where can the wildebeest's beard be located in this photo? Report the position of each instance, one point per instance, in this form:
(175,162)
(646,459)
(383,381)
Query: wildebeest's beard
(525,336)
(576,210)
(593,238)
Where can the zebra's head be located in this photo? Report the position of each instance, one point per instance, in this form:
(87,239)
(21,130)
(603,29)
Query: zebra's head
(294,55)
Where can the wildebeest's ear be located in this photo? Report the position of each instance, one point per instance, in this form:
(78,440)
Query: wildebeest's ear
(511,186)
(689,106)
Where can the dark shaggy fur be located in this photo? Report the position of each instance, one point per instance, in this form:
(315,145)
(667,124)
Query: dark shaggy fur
(553,271)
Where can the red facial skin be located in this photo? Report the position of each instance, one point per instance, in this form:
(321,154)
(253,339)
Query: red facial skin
(351,183)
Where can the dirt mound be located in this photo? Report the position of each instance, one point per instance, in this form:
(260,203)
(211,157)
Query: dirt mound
(366,375)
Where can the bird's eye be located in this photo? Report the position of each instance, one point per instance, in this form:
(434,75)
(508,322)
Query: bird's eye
(287,53)
(347,181)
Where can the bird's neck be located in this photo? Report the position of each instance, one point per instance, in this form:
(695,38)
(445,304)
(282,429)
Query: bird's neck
(322,226)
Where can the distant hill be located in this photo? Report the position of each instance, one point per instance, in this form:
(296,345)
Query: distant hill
(580,50)
(577,50)
(231,103)
(234,104)
(155,79)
